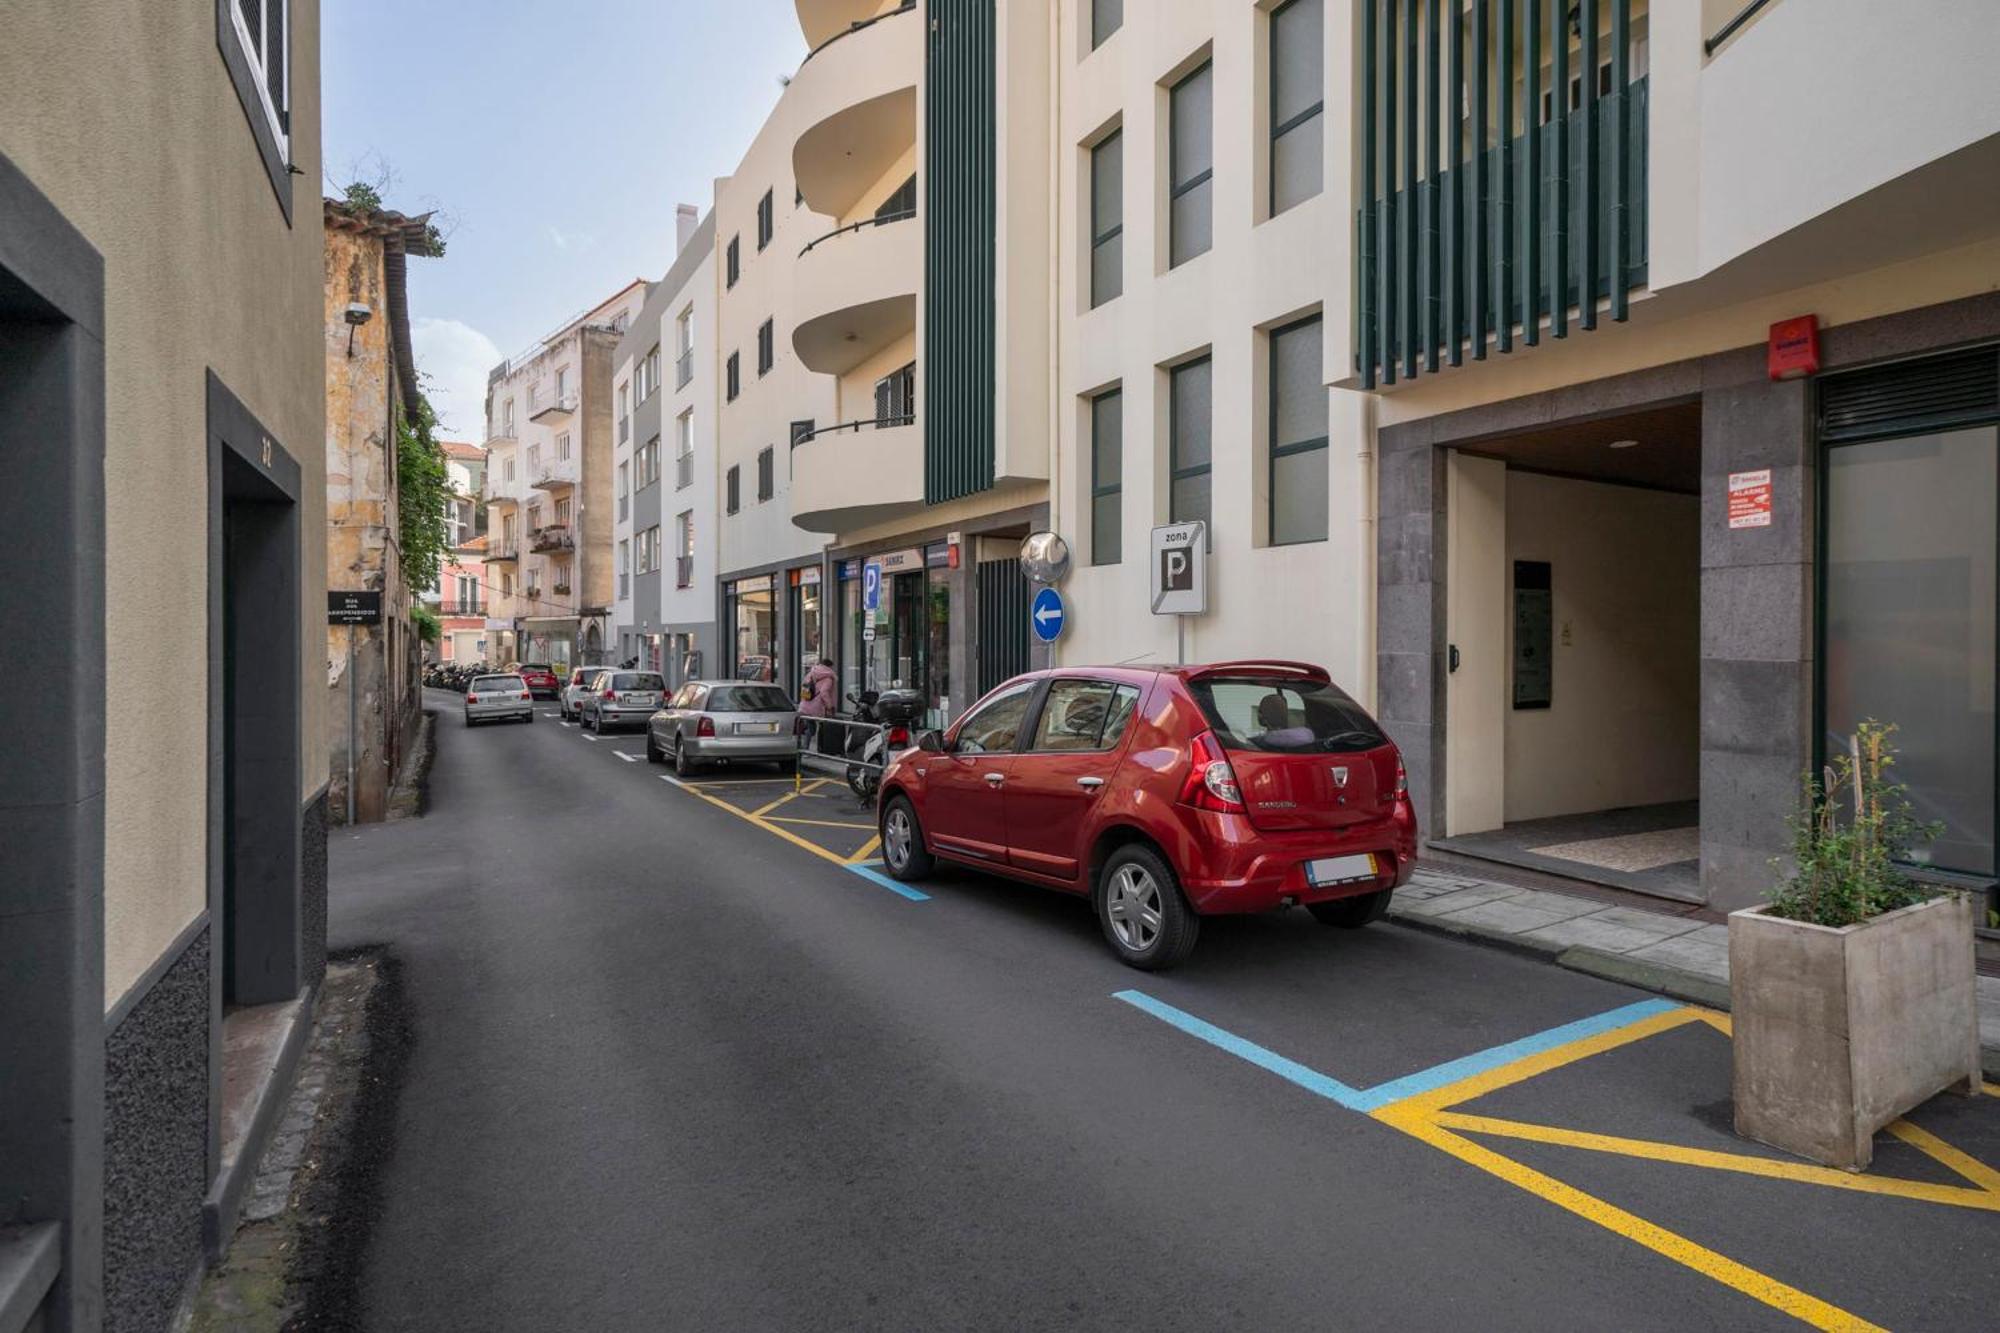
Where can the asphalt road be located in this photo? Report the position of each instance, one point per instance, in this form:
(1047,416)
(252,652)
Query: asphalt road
(672,1071)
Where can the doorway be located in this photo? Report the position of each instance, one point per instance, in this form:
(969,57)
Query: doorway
(1572,683)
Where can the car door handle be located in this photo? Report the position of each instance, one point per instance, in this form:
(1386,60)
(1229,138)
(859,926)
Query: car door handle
(995,779)
(1092,783)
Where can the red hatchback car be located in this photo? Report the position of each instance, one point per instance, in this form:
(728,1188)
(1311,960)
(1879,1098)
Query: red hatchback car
(542,680)
(1166,794)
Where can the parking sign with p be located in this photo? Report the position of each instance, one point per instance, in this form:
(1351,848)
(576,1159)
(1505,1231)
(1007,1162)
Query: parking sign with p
(1180,569)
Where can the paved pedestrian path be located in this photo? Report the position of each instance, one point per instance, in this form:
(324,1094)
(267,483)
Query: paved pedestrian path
(1666,950)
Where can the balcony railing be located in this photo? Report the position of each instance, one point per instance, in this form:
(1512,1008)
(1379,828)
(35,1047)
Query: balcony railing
(901,215)
(554,537)
(852,427)
(684,369)
(855,27)
(503,548)
(554,476)
(556,405)
(458,608)
(1473,229)
(683,571)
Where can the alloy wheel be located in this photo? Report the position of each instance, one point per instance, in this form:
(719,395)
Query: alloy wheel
(896,835)
(1133,905)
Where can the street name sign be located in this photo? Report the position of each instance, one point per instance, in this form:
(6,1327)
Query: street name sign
(358,606)
(1180,569)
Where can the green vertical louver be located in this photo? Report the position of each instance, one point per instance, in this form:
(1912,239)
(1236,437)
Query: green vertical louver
(959,224)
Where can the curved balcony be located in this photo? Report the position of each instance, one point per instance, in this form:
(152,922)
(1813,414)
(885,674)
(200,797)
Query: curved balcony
(857,97)
(862,472)
(857,293)
(823,20)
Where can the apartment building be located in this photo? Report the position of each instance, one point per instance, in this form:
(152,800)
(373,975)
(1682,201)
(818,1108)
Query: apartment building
(459,599)
(162,401)
(549,491)
(371,392)
(665,398)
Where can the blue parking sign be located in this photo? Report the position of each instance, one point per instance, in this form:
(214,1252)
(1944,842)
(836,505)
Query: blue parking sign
(871,588)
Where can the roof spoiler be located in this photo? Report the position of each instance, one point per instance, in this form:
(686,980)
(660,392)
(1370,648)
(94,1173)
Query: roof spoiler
(1258,664)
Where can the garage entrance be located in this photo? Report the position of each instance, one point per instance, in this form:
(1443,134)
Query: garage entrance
(1573,601)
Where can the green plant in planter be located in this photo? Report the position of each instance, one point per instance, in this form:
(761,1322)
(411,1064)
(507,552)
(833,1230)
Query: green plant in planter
(1853,832)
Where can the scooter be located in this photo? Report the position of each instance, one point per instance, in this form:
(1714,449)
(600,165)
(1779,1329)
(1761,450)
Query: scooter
(893,711)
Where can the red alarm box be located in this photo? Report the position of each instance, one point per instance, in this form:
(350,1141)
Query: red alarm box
(1794,349)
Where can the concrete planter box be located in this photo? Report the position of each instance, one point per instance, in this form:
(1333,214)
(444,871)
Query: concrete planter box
(1838,1032)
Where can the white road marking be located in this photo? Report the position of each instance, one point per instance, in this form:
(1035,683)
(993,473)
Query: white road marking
(569,724)
(587,736)
(668,777)
(627,756)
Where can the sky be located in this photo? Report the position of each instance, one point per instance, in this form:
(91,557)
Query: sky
(555,139)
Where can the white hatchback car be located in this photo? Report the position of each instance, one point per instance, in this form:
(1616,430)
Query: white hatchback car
(497,698)
(580,682)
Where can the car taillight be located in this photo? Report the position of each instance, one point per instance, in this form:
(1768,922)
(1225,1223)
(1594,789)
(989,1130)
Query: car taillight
(899,736)
(1211,782)
(705,727)
(1402,780)
(611,696)
(472,698)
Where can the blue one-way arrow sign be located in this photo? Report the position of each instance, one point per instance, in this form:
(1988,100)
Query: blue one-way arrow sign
(1046,615)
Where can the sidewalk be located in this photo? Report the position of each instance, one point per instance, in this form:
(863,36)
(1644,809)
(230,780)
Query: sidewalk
(1678,955)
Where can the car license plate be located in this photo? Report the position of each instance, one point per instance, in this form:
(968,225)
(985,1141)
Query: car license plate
(1331,870)
(756,728)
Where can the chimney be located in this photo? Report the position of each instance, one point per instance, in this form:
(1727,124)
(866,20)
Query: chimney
(686,219)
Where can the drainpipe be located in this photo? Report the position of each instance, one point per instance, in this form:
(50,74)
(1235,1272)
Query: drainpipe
(1369,525)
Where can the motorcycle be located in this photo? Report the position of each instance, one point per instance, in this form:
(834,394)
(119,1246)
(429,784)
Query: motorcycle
(894,711)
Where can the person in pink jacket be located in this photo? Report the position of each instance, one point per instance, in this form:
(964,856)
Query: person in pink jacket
(822,688)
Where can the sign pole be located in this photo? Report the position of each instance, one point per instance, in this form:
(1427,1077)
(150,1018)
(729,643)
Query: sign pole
(1180,640)
(351,726)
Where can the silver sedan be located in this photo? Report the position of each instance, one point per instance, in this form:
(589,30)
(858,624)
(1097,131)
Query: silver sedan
(496,698)
(724,722)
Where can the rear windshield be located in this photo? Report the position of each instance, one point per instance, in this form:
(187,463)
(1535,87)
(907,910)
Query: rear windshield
(1285,716)
(498,683)
(637,680)
(534,666)
(748,699)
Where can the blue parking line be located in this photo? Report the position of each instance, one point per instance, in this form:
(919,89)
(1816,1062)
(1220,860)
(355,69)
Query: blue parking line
(1451,1071)
(1290,1070)
(878,878)
(1410,1085)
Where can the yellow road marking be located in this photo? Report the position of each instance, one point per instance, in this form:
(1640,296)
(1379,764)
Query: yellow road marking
(1718,1020)
(763,810)
(1990,1089)
(1771,1168)
(1935,1148)
(821,823)
(1414,1120)
(1492,1080)
(723,784)
(867,850)
(766,825)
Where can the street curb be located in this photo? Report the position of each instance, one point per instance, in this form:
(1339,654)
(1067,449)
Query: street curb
(1660,978)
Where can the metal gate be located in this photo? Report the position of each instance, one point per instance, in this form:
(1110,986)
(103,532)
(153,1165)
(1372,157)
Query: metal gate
(1002,647)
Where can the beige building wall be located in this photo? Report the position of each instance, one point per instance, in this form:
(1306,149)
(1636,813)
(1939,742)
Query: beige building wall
(202,272)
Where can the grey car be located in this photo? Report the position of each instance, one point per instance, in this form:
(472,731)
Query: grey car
(620,698)
(498,698)
(580,683)
(724,721)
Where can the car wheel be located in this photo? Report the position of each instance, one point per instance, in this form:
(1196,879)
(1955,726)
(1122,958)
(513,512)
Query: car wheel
(654,755)
(1145,917)
(903,850)
(683,766)
(1352,913)
(468,719)
(528,716)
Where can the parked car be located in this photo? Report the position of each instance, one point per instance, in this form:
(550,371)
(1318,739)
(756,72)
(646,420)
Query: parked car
(1165,795)
(724,722)
(543,682)
(496,698)
(578,685)
(616,698)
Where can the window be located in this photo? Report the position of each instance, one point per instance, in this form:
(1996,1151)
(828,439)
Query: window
(507,418)
(684,550)
(650,369)
(510,469)
(534,460)
(733,261)
(766,220)
(1106,17)
(684,450)
(562,446)
(1298,96)
(684,345)
(767,351)
(901,204)
(1084,715)
(732,375)
(625,569)
(1298,478)
(649,550)
(646,466)
(259,36)
(562,383)
(1188,440)
(624,413)
(801,431)
(1107,219)
(1192,159)
(1107,477)
(732,486)
(562,510)
(896,397)
(996,727)
(766,469)
(624,491)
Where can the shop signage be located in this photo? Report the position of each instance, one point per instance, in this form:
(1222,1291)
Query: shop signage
(1794,348)
(359,606)
(898,562)
(1180,569)
(1750,499)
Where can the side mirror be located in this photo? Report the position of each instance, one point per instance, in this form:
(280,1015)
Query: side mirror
(931,742)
